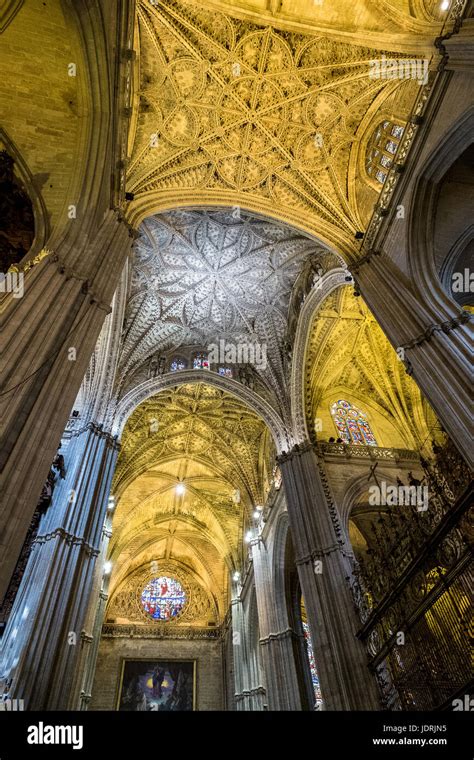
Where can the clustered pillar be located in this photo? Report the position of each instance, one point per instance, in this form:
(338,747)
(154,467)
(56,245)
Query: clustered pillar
(42,643)
(48,337)
(323,570)
(276,642)
(435,344)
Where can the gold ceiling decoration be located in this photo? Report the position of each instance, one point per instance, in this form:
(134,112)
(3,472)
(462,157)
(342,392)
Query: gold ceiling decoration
(195,422)
(250,115)
(256,111)
(366,18)
(348,350)
(194,463)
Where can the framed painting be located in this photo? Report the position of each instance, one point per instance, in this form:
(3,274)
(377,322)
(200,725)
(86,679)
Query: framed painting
(157,686)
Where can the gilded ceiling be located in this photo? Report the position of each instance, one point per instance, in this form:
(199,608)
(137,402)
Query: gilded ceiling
(203,276)
(251,115)
(245,112)
(369,17)
(349,354)
(219,453)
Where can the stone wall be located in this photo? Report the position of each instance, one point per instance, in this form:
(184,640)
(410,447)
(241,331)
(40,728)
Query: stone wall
(41,103)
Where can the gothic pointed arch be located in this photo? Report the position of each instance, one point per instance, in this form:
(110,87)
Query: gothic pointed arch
(25,223)
(343,360)
(454,146)
(330,281)
(192,466)
(153,386)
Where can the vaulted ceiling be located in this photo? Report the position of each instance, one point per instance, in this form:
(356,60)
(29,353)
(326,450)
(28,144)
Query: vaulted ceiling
(348,351)
(213,446)
(201,276)
(248,113)
(365,17)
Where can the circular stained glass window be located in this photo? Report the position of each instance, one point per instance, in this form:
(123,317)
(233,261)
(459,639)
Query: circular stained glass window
(163,598)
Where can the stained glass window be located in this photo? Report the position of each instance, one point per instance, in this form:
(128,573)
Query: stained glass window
(177,364)
(312,665)
(352,424)
(381,149)
(163,598)
(225,371)
(201,361)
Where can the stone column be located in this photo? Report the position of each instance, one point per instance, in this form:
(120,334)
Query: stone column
(323,568)
(238,648)
(249,692)
(48,337)
(437,347)
(85,670)
(42,643)
(459,48)
(281,678)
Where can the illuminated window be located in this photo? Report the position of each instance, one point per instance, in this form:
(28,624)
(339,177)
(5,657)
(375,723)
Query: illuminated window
(312,664)
(177,364)
(381,149)
(200,361)
(225,371)
(163,598)
(352,424)
(311,659)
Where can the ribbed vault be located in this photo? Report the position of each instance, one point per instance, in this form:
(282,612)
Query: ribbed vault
(349,356)
(204,276)
(256,115)
(195,462)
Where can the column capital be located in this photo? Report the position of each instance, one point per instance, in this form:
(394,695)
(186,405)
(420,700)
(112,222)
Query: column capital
(251,692)
(297,450)
(68,538)
(450,324)
(288,633)
(121,219)
(98,429)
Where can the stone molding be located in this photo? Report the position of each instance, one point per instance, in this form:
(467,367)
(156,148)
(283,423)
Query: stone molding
(117,630)
(69,538)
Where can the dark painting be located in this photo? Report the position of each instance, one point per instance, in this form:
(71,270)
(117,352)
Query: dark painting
(157,686)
